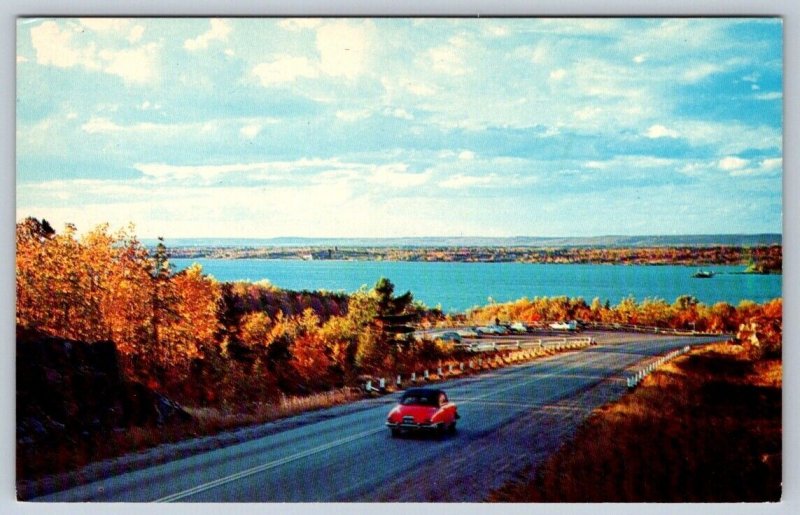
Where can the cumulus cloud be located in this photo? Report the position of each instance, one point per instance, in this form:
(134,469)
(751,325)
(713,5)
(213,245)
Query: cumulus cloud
(283,70)
(295,24)
(251,130)
(773,95)
(558,74)
(135,34)
(420,89)
(134,65)
(54,46)
(732,163)
(447,59)
(218,32)
(700,71)
(399,112)
(396,175)
(342,49)
(461,181)
(772,163)
(659,131)
(105,24)
(353,115)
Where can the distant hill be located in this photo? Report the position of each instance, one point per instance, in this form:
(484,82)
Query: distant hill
(690,240)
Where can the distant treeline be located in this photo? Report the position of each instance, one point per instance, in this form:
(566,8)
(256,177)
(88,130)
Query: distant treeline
(677,240)
(761,259)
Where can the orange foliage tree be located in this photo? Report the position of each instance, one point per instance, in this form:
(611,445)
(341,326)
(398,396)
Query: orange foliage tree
(107,286)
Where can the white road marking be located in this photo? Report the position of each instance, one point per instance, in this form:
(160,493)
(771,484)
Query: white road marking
(534,380)
(266,466)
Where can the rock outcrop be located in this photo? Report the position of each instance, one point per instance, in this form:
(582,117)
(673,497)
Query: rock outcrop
(70,389)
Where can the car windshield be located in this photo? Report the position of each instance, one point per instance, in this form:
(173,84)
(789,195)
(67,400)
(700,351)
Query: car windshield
(430,399)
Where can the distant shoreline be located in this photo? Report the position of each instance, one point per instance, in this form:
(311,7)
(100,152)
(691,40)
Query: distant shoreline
(769,258)
(605,241)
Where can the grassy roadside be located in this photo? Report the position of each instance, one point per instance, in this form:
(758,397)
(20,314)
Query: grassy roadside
(704,428)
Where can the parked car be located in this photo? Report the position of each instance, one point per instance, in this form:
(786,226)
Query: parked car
(423,410)
(467,333)
(518,327)
(491,330)
(449,336)
(572,325)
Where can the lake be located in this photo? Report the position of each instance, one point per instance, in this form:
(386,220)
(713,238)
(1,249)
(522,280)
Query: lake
(460,286)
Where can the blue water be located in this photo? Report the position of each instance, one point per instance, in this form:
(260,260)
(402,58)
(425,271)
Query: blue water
(460,286)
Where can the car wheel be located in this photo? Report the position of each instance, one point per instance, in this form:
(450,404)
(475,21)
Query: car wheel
(394,432)
(452,428)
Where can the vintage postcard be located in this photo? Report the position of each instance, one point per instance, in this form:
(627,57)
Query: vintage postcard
(419,259)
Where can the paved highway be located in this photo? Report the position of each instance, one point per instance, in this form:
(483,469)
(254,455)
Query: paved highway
(511,418)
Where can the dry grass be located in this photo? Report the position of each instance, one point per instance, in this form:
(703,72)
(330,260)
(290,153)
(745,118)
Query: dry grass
(705,428)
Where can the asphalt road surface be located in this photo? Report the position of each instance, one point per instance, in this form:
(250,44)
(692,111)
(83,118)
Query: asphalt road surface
(511,418)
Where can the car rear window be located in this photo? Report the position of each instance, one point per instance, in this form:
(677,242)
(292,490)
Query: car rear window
(424,399)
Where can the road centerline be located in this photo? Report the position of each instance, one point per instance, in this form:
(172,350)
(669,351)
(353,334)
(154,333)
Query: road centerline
(265,466)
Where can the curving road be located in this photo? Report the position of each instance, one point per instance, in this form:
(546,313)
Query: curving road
(511,418)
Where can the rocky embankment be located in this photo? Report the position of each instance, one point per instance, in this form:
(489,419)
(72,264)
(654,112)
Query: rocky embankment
(68,391)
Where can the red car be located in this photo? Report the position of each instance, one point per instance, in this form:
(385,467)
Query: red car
(423,410)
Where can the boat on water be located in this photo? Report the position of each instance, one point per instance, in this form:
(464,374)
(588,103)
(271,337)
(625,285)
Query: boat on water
(703,274)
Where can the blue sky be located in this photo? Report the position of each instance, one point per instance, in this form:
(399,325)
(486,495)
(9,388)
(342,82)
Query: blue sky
(401,127)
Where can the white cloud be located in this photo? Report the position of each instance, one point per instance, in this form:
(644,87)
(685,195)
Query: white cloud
(558,74)
(466,155)
(420,89)
(22,59)
(250,131)
(772,163)
(105,24)
(732,163)
(461,181)
(639,59)
(701,71)
(396,175)
(295,24)
(136,34)
(218,32)
(283,70)
(447,60)
(97,125)
(497,30)
(772,95)
(353,115)
(767,166)
(401,113)
(659,131)
(342,49)
(136,65)
(104,125)
(630,162)
(588,113)
(54,47)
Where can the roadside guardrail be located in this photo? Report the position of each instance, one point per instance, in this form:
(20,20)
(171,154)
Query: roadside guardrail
(515,351)
(554,344)
(636,328)
(642,372)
